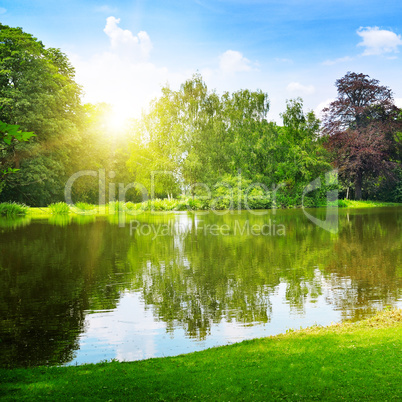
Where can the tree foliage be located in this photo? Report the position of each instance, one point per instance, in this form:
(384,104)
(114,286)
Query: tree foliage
(10,135)
(39,94)
(362,125)
(37,87)
(205,141)
(191,139)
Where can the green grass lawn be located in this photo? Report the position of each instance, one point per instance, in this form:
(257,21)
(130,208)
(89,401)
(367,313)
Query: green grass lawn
(164,205)
(365,204)
(353,362)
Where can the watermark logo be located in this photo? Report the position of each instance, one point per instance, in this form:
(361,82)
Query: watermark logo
(330,224)
(236,198)
(245,228)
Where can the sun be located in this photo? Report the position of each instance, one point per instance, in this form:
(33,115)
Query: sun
(117,122)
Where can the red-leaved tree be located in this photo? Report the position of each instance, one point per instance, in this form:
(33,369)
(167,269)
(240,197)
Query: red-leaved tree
(362,126)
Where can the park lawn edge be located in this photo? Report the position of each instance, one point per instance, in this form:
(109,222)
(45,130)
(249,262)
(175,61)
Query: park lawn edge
(350,204)
(352,361)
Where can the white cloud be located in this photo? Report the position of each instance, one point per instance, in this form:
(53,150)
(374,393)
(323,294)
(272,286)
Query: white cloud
(378,41)
(279,60)
(322,105)
(128,87)
(398,102)
(123,39)
(123,75)
(105,9)
(299,89)
(336,61)
(233,61)
(208,73)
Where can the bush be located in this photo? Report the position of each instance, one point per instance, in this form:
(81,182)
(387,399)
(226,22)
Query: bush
(130,206)
(116,206)
(59,208)
(342,204)
(83,206)
(11,209)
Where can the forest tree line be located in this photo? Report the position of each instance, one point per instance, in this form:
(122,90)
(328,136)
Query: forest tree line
(199,138)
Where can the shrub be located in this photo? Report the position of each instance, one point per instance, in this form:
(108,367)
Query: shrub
(10,209)
(342,203)
(116,206)
(59,208)
(83,206)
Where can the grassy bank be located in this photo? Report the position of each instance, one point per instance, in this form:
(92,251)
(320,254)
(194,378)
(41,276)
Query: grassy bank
(360,361)
(365,204)
(186,204)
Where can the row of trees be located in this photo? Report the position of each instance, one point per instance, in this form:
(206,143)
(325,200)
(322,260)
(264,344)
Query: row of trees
(200,137)
(189,136)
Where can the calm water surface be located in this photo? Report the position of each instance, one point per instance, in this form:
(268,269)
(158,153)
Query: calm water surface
(79,289)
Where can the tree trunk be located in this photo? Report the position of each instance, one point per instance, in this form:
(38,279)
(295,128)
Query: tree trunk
(17,160)
(358,185)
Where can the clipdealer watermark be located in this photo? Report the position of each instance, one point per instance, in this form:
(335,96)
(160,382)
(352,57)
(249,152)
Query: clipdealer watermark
(245,228)
(237,204)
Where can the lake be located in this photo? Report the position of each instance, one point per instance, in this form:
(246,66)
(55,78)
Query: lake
(84,289)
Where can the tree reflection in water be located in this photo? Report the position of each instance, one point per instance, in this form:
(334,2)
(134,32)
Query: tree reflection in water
(53,273)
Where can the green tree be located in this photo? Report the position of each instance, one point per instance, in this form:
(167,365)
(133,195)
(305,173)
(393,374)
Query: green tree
(10,135)
(38,93)
(303,155)
(156,146)
(363,126)
(245,115)
(200,136)
(298,156)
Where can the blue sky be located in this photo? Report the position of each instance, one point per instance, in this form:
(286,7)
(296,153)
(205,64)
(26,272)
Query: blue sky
(123,51)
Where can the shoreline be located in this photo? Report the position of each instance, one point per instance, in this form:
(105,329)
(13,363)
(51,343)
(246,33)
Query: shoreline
(346,204)
(352,361)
